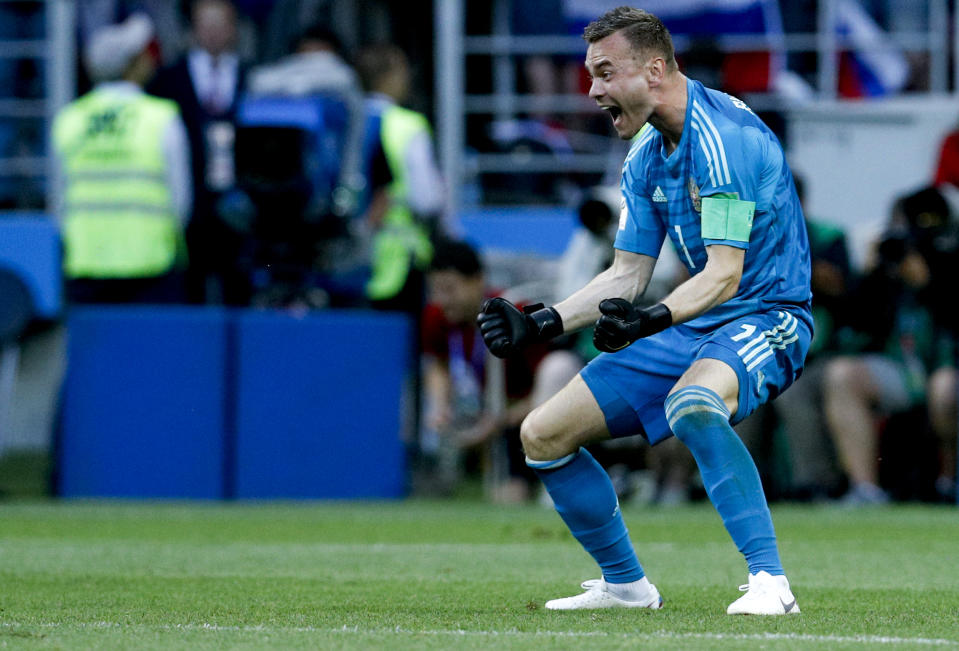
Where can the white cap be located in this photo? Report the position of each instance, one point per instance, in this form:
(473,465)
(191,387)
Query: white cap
(112,48)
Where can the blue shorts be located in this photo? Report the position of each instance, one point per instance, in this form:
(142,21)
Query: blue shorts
(766,349)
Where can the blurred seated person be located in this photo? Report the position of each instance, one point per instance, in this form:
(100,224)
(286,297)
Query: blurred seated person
(906,360)
(126,168)
(206,84)
(460,420)
(927,218)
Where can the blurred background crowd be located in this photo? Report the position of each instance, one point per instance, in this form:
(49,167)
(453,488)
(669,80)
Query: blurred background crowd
(304,156)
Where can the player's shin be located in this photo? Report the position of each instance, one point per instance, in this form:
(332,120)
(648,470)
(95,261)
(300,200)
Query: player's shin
(699,418)
(585,499)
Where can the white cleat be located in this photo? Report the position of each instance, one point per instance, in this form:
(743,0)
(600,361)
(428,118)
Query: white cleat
(765,595)
(598,596)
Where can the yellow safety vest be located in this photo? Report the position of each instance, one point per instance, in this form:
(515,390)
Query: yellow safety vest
(119,220)
(401,243)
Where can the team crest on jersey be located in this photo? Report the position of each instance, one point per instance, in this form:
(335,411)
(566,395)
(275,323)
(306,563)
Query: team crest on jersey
(694,195)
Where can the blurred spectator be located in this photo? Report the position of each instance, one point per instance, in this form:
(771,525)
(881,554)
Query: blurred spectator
(127,172)
(907,359)
(316,65)
(206,84)
(461,418)
(412,207)
(925,217)
(172,22)
(93,15)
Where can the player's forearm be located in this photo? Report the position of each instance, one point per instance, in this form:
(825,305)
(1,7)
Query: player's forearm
(701,293)
(581,309)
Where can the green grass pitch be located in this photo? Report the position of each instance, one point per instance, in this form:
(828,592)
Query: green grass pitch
(459,574)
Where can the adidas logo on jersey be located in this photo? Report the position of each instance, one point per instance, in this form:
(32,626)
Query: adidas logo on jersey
(659,196)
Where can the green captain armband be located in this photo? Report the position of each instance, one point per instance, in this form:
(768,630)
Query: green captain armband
(726,217)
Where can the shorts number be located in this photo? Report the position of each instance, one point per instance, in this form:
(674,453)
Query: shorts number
(747,332)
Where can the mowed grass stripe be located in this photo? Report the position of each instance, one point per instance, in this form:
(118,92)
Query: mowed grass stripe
(863,564)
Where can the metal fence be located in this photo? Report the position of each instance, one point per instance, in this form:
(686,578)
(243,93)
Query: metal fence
(54,50)
(454,105)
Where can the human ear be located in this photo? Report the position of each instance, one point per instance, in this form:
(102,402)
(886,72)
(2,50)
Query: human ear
(655,71)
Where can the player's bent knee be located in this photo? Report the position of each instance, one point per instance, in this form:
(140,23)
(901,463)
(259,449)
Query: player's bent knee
(539,442)
(529,435)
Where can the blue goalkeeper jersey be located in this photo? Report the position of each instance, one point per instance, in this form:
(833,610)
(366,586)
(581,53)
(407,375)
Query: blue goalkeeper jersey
(725,150)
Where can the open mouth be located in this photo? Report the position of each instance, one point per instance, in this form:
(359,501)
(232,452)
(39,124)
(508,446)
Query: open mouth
(614,112)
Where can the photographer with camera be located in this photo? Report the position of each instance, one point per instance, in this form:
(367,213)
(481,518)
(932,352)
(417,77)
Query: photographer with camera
(905,367)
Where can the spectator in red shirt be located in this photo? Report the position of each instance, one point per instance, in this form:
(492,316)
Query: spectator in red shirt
(473,404)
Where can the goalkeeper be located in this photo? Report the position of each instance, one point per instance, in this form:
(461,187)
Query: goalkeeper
(712,177)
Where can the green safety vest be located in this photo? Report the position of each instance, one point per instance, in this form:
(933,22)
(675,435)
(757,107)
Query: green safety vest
(402,243)
(119,220)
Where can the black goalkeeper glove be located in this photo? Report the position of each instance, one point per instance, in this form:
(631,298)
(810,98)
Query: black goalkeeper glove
(623,323)
(506,330)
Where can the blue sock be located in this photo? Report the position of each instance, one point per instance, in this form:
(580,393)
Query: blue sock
(699,418)
(584,497)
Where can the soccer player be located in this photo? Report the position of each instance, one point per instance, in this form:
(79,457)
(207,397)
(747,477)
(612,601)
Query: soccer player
(712,177)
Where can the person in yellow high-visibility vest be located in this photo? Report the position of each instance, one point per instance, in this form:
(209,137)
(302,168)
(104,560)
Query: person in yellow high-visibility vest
(409,208)
(126,177)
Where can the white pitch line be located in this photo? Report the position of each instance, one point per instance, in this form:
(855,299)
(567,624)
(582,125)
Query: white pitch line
(660,635)
(652,635)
